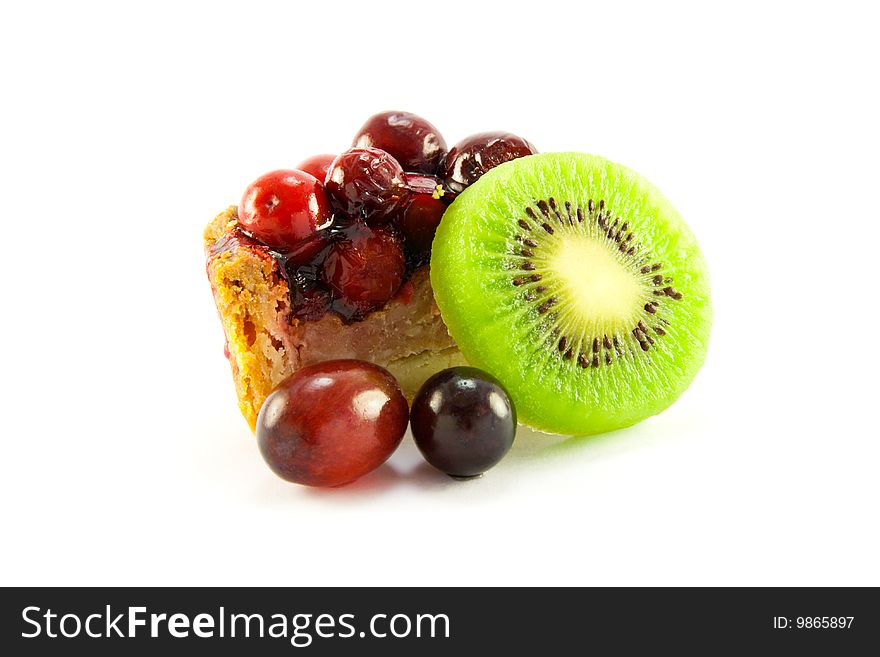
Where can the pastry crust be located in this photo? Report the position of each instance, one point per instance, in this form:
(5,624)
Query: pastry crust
(266,343)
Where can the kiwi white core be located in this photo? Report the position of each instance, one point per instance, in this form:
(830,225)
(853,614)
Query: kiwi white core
(595,281)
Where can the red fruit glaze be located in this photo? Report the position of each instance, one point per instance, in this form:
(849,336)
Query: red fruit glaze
(331,423)
(283,207)
(413,142)
(308,251)
(363,270)
(317,165)
(310,302)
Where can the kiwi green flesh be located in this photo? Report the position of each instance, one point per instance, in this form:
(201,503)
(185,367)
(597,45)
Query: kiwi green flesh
(575,282)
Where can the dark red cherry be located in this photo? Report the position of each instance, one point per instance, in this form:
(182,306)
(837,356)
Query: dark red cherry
(411,140)
(475,155)
(418,224)
(366,184)
(363,270)
(317,165)
(331,423)
(284,207)
(419,183)
(463,421)
(308,251)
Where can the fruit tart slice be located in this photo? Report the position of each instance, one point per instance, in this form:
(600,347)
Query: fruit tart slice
(330,260)
(298,280)
(276,321)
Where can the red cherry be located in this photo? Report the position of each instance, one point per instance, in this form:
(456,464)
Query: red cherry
(367,184)
(333,422)
(475,155)
(419,222)
(308,251)
(317,165)
(410,139)
(363,270)
(283,207)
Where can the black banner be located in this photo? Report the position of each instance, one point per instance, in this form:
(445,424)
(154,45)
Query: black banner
(334,621)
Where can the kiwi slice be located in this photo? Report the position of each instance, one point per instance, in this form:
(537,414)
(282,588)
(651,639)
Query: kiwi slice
(575,282)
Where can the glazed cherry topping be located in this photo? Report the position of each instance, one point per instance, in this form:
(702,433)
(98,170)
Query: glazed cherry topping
(419,183)
(363,269)
(331,423)
(347,230)
(310,302)
(317,165)
(410,139)
(475,155)
(463,421)
(367,184)
(418,223)
(284,207)
(309,298)
(310,251)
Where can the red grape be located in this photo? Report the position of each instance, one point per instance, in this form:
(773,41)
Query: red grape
(333,422)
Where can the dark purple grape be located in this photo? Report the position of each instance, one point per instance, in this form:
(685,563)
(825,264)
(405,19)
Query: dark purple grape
(413,142)
(463,421)
(475,155)
(366,184)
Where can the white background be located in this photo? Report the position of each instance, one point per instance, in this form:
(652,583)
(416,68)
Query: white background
(124,458)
